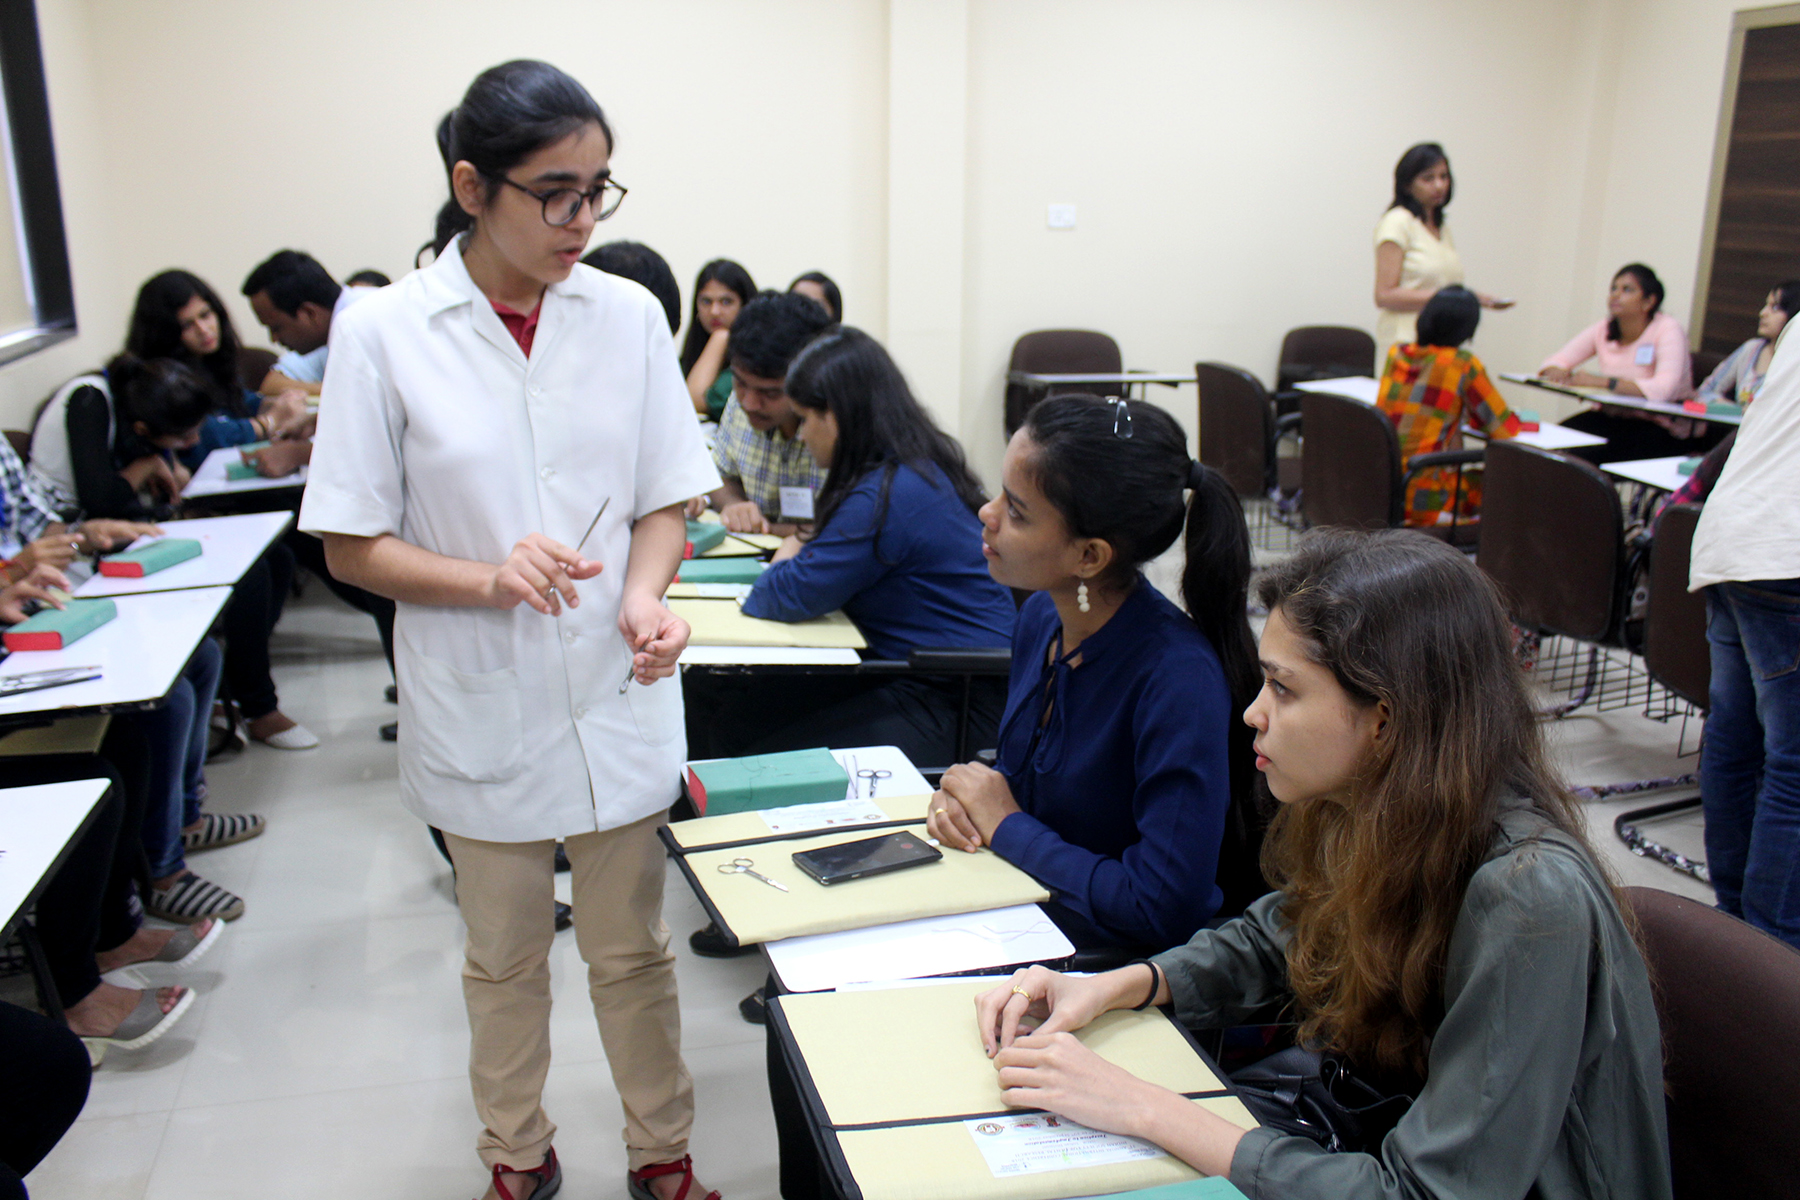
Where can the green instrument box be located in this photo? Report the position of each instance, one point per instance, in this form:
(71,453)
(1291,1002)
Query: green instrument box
(148,560)
(60,628)
(239,469)
(703,536)
(720,570)
(730,785)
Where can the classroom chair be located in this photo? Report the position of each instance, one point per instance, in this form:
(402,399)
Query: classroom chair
(253,366)
(1351,475)
(963,665)
(1552,538)
(1237,428)
(21,443)
(1676,655)
(1054,351)
(1703,363)
(1731,1046)
(1320,352)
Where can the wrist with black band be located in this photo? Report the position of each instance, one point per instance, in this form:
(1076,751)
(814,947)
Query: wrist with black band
(1156,982)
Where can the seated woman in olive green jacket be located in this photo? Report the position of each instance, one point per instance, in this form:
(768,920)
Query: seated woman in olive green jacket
(1441,924)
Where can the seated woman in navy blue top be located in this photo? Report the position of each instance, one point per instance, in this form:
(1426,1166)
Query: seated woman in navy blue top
(896,544)
(1118,757)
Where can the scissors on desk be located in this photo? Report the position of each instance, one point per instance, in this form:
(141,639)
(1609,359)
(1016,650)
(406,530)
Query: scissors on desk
(874,776)
(746,866)
(37,681)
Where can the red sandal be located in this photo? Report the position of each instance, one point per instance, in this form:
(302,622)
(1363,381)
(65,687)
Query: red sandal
(549,1177)
(638,1182)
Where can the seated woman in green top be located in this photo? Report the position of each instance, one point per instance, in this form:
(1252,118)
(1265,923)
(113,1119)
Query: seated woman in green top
(1441,924)
(720,292)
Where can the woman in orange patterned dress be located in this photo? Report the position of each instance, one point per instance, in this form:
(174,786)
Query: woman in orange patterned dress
(1431,389)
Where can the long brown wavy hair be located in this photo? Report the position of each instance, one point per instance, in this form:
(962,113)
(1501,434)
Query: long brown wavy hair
(1374,878)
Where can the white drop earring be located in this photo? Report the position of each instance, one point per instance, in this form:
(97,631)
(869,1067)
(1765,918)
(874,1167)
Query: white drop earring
(1081,600)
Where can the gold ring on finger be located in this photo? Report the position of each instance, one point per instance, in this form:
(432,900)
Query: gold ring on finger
(1019,991)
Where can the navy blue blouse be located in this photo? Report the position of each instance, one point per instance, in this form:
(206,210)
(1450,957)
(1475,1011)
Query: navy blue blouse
(1125,789)
(918,581)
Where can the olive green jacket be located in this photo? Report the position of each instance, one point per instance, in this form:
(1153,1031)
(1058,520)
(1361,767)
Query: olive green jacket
(1545,1075)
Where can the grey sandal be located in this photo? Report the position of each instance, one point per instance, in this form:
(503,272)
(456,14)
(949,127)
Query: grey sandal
(142,1025)
(187,947)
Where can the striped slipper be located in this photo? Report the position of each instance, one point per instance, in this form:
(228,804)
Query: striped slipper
(222,829)
(190,898)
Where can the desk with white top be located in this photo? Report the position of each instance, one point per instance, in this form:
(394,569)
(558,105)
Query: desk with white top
(38,826)
(210,478)
(228,548)
(141,652)
(1662,408)
(1045,380)
(1663,474)
(1367,388)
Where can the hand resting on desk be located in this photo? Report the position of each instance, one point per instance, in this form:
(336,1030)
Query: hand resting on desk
(1027,1028)
(969,806)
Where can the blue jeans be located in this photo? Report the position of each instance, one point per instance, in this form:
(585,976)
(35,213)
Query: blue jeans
(176,734)
(1750,766)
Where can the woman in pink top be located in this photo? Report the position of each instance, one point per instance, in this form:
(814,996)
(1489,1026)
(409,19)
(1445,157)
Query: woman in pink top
(1641,351)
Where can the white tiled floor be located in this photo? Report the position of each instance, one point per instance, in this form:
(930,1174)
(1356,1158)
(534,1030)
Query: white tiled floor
(327,1052)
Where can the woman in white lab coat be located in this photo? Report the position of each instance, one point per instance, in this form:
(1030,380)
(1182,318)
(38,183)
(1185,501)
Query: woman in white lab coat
(475,417)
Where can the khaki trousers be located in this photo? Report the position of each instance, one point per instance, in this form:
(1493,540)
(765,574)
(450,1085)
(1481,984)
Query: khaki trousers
(505,891)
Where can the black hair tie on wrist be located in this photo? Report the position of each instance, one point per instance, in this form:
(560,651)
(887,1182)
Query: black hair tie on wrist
(1156,982)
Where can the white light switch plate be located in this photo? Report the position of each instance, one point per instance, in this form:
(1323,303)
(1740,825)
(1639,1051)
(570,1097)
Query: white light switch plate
(1062,216)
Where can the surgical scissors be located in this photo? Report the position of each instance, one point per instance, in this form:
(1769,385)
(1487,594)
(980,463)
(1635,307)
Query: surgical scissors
(746,866)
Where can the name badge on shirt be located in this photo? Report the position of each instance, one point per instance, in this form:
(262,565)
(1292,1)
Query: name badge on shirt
(1646,354)
(796,504)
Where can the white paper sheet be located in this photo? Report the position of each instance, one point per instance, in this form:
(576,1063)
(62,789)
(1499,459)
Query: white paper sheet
(804,818)
(1032,1143)
(912,949)
(902,778)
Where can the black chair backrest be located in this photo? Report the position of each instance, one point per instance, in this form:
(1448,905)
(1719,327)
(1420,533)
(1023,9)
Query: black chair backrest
(1675,649)
(1731,1028)
(1552,537)
(1237,427)
(253,366)
(1350,472)
(1704,363)
(1056,352)
(1323,352)
(21,443)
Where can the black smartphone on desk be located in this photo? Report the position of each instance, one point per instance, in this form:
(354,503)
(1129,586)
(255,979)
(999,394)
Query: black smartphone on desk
(870,856)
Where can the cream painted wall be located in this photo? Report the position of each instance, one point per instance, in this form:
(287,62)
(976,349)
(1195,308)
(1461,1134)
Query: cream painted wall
(1228,161)
(759,139)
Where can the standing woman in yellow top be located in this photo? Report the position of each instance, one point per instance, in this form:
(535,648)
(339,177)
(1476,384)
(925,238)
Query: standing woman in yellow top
(1414,253)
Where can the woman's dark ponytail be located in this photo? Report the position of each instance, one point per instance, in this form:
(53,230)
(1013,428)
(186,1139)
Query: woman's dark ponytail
(1127,491)
(509,113)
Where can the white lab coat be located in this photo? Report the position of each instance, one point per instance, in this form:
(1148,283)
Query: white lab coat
(435,428)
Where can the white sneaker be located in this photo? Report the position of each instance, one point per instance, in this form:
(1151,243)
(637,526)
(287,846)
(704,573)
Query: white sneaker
(297,738)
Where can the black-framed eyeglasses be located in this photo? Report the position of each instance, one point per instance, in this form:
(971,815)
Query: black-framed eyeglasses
(1121,418)
(561,204)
